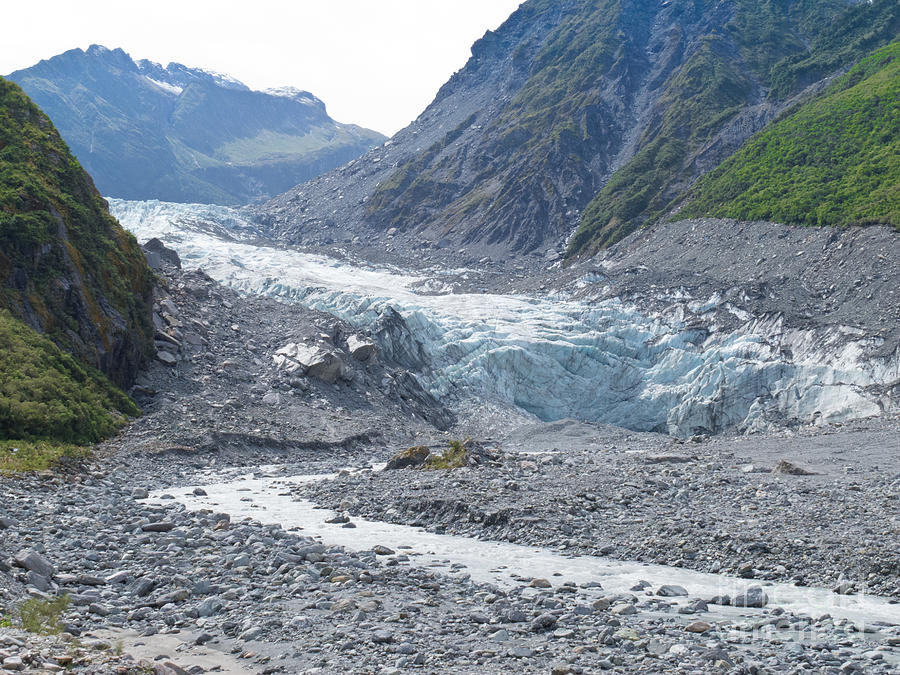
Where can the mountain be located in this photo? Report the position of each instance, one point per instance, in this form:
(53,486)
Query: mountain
(145,131)
(586,118)
(67,268)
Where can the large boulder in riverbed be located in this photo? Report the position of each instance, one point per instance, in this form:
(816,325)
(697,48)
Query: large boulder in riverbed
(754,596)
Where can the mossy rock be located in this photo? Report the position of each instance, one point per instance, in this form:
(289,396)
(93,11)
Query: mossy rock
(411,457)
(460,454)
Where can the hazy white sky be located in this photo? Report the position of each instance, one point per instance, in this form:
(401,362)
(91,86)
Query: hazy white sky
(377,63)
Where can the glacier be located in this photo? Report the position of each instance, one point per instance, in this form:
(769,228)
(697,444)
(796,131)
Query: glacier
(552,357)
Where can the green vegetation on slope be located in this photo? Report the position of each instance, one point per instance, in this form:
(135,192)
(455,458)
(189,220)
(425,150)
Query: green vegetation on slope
(705,93)
(770,38)
(67,268)
(565,73)
(45,394)
(835,161)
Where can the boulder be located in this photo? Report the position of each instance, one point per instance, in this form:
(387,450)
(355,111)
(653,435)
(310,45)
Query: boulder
(38,581)
(159,256)
(754,596)
(327,366)
(317,362)
(166,357)
(360,348)
(543,622)
(792,469)
(34,562)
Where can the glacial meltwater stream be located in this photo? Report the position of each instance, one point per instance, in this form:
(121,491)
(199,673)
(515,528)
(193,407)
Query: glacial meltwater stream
(267,499)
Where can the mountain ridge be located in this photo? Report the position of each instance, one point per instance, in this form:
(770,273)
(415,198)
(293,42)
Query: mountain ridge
(145,131)
(578,121)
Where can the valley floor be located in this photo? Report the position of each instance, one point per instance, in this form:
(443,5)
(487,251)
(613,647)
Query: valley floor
(192,576)
(222,584)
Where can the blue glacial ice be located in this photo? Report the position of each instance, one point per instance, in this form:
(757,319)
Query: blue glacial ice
(604,361)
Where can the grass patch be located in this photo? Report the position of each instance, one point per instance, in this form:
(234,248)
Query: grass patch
(24,456)
(43,616)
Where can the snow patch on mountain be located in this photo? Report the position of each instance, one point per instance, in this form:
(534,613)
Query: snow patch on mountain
(295,94)
(166,86)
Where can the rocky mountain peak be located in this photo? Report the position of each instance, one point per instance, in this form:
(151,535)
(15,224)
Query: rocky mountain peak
(148,131)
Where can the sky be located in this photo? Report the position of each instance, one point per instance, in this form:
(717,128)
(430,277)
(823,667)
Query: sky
(376,63)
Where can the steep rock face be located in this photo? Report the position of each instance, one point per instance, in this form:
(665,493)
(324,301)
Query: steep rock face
(584,112)
(766,58)
(67,268)
(145,131)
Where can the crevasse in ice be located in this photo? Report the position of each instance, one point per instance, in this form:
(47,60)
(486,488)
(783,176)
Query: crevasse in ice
(604,361)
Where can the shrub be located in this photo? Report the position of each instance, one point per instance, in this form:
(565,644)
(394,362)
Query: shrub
(46,395)
(43,616)
(454,457)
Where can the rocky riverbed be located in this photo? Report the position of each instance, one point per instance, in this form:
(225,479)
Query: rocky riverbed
(164,578)
(813,507)
(274,600)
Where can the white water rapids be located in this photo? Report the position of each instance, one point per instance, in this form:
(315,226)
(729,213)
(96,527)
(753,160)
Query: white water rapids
(550,357)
